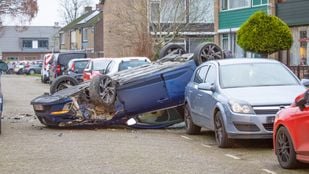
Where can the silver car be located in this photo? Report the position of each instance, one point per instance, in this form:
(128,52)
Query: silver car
(238,98)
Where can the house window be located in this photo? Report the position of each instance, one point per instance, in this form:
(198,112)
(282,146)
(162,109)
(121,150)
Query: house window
(27,43)
(234,4)
(170,11)
(43,43)
(303,47)
(259,2)
(155,11)
(201,11)
(85,34)
(225,42)
(62,37)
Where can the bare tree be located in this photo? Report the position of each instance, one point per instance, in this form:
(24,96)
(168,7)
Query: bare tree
(150,24)
(24,10)
(72,9)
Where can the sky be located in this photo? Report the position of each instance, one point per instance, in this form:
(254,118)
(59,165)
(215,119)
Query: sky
(47,15)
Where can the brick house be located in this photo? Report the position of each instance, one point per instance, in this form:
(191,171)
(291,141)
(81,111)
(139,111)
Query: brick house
(125,30)
(28,43)
(84,33)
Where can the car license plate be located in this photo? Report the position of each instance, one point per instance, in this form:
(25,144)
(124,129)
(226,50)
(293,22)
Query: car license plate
(270,119)
(38,107)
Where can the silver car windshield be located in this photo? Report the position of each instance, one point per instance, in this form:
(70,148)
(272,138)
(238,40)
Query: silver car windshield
(255,74)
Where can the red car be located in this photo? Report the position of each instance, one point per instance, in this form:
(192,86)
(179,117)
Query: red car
(291,133)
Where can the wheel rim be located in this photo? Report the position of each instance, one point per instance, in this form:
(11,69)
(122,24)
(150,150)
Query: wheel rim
(107,90)
(210,52)
(283,147)
(218,130)
(31,72)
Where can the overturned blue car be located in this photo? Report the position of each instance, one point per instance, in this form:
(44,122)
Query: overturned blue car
(149,96)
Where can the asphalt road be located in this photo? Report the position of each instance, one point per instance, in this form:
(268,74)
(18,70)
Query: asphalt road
(26,146)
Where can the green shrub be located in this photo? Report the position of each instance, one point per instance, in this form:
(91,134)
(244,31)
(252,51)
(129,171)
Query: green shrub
(264,34)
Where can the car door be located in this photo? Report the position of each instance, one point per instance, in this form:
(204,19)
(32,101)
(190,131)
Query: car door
(207,98)
(204,100)
(144,95)
(300,129)
(194,95)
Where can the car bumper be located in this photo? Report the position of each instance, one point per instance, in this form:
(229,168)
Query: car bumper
(249,126)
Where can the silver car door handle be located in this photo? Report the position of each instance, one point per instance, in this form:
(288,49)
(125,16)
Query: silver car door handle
(200,95)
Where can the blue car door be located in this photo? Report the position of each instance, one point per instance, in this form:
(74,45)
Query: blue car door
(206,100)
(144,95)
(195,96)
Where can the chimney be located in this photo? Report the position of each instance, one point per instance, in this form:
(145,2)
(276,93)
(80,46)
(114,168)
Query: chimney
(88,9)
(99,7)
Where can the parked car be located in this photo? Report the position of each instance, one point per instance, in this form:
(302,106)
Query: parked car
(19,67)
(238,98)
(76,67)
(121,97)
(291,140)
(72,76)
(46,63)
(33,69)
(59,63)
(3,68)
(112,65)
(96,67)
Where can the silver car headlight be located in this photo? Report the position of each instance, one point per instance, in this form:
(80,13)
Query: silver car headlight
(241,107)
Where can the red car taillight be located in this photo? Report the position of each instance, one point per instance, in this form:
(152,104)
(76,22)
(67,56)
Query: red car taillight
(58,70)
(86,75)
(73,67)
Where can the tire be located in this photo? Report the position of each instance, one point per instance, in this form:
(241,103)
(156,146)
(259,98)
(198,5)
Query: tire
(31,72)
(20,71)
(284,149)
(10,71)
(207,51)
(191,128)
(102,91)
(169,48)
(45,79)
(220,133)
(62,82)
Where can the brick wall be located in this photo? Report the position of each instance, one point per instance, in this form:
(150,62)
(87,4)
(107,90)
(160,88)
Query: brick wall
(121,27)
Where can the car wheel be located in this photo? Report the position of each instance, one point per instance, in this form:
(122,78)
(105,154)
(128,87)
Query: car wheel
(207,51)
(285,150)
(10,71)
(102,91)
(20,71)
(221,136)
(169,48)
(62,82)
(31,72)
(191,128)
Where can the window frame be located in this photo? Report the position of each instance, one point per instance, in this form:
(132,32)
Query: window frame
(160,12)
(231,9)
(85,34)
(260,4)
(40,40)
(28,40)
(198,71)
